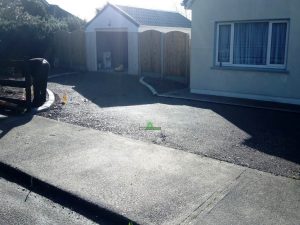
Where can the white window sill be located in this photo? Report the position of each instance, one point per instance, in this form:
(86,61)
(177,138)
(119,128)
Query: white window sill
(255,69)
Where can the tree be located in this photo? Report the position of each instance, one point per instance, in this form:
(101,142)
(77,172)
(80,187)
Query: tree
(27,27)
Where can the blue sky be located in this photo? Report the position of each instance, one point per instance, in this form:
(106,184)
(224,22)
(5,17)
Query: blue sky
(86,9)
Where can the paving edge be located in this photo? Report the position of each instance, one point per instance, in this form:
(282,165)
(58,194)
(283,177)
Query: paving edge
(47,104)
(155,93)
(64,198)
(61,74)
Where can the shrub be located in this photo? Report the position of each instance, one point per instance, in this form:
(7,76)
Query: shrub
(27,27)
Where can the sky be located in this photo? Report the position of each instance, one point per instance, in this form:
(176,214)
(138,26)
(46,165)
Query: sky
(86,9)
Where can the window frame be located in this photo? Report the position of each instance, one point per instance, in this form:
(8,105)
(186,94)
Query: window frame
(268,64)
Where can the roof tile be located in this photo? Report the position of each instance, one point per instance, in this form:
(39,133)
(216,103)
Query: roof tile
(151,17)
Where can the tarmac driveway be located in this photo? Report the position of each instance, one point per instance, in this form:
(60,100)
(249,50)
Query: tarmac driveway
(260,139)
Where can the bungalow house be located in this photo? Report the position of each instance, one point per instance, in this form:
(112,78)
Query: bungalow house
(246,49)
(114,33)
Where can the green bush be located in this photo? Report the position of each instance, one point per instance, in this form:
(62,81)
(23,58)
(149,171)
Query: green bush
(27,27)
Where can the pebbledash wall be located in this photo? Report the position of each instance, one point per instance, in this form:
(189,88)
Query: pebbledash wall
(268,84)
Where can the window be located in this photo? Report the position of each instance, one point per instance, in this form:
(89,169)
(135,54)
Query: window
(224,43)
(252,44)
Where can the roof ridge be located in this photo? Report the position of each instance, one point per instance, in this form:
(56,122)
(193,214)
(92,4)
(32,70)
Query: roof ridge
(125,13)
(149,17)
(154,17)
(159,10)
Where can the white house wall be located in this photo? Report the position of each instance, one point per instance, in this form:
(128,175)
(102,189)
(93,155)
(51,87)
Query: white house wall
(111,20)
(133,53)
(282,87)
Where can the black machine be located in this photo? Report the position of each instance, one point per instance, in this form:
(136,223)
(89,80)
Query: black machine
(39,70)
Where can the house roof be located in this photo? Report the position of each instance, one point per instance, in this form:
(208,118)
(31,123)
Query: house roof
(149,17)
(187,3)
(160,18)
(184,2)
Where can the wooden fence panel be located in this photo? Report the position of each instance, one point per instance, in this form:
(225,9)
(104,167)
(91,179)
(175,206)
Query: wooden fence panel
(150,52)
(78,48)
(167,55)
(69,49)
(61,46)
(176,54)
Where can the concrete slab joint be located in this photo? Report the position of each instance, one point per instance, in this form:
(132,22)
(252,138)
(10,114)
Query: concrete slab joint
(212,201)
(147,183)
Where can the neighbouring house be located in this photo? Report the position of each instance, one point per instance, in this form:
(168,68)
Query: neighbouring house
(114,33)
(246,49)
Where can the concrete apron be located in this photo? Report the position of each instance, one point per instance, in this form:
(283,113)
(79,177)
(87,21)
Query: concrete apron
(148,183)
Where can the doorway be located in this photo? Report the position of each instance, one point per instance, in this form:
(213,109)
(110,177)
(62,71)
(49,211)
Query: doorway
(112,46)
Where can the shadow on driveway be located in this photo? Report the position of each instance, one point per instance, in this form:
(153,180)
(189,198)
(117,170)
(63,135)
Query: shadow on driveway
(12,119)
(109,90)
(271,132)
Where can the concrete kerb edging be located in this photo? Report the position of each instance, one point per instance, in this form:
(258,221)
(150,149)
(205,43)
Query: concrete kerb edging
(61,74)
(47,104)
(154,92)
(51,96)
(2,117)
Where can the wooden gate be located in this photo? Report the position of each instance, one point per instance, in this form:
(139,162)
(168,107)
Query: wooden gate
(115,42)
(150,52)
(176,54)
(166,55)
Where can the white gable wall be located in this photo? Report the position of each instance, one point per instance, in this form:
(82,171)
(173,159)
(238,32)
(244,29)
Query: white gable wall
(112,20)
(282,87)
